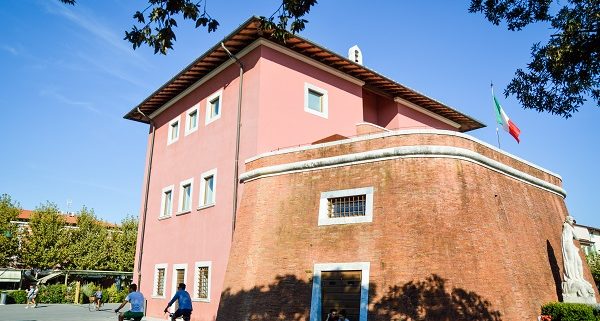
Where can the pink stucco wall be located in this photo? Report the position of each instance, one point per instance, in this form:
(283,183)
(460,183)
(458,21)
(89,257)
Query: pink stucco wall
(387,113)
(205,234)
(273,116)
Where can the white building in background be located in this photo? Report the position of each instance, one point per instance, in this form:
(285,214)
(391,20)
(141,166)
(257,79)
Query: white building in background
(589,238)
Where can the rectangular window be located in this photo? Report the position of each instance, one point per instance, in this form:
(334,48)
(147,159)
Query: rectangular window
(340,286)
(160,281)
(213,107)
(202,281)
(209,188)
(166,207)
(346,206)
(191,124)
(208,192)
(173,130)
(315,100)
(179,276)
(185,196)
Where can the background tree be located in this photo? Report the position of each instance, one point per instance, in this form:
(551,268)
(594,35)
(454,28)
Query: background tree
(45,245)
(566,70)
(123,245)
(9,241)
(90,244)
(594,263)
(157,21)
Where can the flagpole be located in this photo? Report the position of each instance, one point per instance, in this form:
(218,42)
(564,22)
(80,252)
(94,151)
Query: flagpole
(494,106)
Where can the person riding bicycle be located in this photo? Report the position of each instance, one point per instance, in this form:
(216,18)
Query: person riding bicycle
(184,301)
(98,298)
(136,299)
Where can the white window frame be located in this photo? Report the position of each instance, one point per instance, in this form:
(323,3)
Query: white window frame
(180,209)
(188,129)
(203,176)
(176,267)
(209,118)
(155,284)
(315,302)
(324,218)
(197,277)
(170,139)
(162,202)
(324,100)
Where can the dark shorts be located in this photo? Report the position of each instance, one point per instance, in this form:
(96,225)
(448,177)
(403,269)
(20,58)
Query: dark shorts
(131,315)
(182,312)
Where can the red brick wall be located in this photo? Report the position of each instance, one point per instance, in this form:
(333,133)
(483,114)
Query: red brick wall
(449,238)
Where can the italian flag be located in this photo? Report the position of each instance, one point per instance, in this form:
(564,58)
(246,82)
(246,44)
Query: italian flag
(506,123)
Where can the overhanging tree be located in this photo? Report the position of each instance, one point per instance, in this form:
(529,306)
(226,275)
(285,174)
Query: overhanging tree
(89,245)
(564,72)
(157,21)
(123,245)
(9,241)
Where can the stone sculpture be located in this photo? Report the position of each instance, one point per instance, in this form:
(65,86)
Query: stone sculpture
(574,287)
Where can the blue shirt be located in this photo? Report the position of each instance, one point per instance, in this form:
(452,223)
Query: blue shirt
(185,302)
(136,299)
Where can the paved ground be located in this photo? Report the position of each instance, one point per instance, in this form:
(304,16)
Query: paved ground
(58,312)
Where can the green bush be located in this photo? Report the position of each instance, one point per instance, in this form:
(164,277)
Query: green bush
(87,290)
(113,296)
(55,293)
(16,297)
(571,311)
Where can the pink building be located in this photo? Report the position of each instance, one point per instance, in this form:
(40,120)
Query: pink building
(222,110)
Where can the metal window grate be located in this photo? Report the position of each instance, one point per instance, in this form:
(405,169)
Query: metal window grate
(160,282)
(347,206)
(203,282)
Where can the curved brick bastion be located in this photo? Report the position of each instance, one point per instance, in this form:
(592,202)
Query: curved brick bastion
(454,230)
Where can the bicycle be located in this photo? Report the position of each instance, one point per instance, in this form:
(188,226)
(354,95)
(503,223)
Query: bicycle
(133,319)
(181,317)
(92,306)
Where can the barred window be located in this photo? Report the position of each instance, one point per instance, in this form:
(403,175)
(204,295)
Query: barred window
(202,282)
(160,282)
(347,206)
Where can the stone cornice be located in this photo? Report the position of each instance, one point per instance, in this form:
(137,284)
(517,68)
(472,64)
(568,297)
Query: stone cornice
(421,151)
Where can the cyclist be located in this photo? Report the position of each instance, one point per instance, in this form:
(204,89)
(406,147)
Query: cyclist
(184,301)
(136,299)
(98,298)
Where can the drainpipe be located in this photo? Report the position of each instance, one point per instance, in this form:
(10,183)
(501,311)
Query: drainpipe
(145,211)
(237,137)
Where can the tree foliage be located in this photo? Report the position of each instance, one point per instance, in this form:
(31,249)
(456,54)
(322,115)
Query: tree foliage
(89,242)
(123,245)
(156,23)
(594,263)
(565,71)
(45,245)
(9,241)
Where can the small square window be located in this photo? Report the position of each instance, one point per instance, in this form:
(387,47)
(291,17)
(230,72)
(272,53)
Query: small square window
(202,281)
(185,196)
(315,100)
(191,124)
(173,131)
(166,204)
(213,107)
(208,192)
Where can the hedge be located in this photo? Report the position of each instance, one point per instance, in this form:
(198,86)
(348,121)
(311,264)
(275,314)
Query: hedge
(560,311)
(16,297)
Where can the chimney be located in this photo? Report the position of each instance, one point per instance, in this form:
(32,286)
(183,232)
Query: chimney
(355,55)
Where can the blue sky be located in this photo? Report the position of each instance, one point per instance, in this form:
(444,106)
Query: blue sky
(68,78)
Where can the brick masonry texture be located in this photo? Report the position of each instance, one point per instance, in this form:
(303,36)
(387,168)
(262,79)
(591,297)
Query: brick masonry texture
(449,237)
